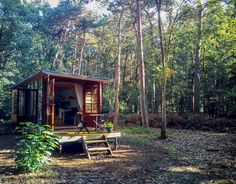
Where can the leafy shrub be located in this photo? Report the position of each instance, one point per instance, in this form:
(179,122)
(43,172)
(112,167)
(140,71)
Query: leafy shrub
(154,121)
(133,118)
(174,119)
(197,118)
(223,125)
(34,150)
(207,123)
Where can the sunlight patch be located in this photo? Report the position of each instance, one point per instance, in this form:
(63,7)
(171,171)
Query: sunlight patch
(185,169)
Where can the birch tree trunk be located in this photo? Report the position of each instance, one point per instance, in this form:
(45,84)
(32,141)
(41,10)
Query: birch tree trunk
(196,98)
(117,72)
(141,67)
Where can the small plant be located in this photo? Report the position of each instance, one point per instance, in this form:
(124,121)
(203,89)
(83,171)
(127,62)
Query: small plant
(108,126)
(173,152)
(34,150)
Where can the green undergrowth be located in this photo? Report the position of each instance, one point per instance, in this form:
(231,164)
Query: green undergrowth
(173,152)
(150,132)
(138,130)
(141,136)
(34,150)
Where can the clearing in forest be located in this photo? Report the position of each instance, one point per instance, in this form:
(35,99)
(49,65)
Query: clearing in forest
(185,157)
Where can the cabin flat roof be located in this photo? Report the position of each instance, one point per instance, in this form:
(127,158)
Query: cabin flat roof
(39,75)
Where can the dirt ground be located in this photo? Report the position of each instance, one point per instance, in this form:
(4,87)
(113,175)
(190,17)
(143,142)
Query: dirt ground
(185,157)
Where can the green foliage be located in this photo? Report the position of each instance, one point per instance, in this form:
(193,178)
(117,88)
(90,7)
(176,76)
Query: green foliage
(139,141)
(133,118)
(140,136)
(108,98)
(108,124)
(32,34)
(173,152)
(34,150)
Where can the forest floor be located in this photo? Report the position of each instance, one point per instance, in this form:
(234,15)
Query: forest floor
(185,157)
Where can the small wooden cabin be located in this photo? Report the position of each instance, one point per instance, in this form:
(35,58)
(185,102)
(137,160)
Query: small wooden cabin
(54,98)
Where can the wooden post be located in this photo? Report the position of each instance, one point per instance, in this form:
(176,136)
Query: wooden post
(12,106)
(85,147)
(100,97)
(116,143)
(53,114)
(43,98)
(47,100)
(17,105)
(37,106)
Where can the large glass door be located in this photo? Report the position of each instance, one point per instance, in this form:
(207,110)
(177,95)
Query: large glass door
(27,109)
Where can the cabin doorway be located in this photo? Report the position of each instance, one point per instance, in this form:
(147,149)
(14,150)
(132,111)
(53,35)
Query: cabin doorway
(67,103)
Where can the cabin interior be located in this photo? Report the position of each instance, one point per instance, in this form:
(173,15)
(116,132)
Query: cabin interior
(69,99)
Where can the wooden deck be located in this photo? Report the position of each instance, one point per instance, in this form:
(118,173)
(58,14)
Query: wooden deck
(90,141)
(70,134)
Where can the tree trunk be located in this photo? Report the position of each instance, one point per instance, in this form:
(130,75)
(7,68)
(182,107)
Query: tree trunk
(81,53)
(171,90)
(117,72)
(153,102)
(75,54)
(164,77)
(153,96)
(196,102)
(141,67)
(125,65)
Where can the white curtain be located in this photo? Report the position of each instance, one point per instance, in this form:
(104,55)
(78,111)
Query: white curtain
(79,95)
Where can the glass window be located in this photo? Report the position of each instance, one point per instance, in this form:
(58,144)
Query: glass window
(91,99)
